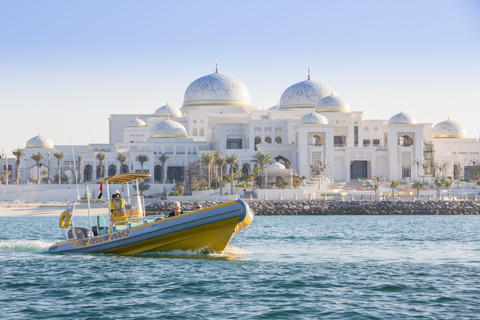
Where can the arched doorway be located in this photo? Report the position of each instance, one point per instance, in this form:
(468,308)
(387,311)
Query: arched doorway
(157,173)
(283,160)
(245,169)
(100,171)
(124,168)
(112,170)
(87,173)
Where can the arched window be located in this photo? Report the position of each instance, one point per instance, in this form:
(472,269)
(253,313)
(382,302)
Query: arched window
(125,169)
(268,140)
(245,169)
(87,173)
(100,171)
(112,170)
(257,141)
(319,141)
(202,132)
(157,173)
(194,132)
(406,141)
(278,140)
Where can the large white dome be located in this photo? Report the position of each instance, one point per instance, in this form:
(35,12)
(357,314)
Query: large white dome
(168,111)
(40,142)
(304,94)
(402,118)
(332,103)
(449,129)
(313,118)
(168,129)
(217,89)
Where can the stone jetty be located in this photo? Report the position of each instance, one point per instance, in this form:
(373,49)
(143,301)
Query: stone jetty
(325,207)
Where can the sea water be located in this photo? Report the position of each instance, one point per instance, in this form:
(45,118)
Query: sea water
(280,267)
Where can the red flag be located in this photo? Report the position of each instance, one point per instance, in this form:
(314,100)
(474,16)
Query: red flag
(101,191)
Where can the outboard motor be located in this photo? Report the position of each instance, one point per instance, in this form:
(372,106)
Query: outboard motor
(81,233)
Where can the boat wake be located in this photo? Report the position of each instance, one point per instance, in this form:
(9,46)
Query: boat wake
(230,253)
(24,246)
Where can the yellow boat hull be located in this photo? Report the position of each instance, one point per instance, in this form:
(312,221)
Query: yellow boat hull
(210,228)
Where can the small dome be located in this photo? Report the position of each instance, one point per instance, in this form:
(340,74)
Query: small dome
(168,111)
(313,118)
(168,129)
(402,118)
(276,165)
(136,123)
(40,142)
(332,103)
(449,129)
(217,89)
(304,94)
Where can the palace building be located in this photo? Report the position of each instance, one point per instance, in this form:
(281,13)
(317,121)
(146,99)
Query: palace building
(311,124)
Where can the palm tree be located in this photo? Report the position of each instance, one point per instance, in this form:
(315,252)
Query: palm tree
(207,160)
(262,159)
(417,185)
(101,157)
(221,162)
(179,188)
(216,155)
(59,157)
(19,153)
(448,183)
(122,158)
(232,161)
(438,183)
(393,185)
(79,168)
(37,157)
(163,158)
(142,158)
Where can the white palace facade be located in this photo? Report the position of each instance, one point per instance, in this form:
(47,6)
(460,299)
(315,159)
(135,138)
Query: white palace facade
(309,124)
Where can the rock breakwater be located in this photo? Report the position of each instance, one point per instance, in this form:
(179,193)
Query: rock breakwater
(322,207)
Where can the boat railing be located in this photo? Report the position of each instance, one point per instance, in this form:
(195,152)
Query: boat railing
(71,208)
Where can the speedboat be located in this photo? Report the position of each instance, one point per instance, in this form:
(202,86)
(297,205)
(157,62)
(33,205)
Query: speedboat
(125,229)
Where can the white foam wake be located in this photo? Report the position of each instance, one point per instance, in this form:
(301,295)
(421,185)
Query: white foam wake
(24,245)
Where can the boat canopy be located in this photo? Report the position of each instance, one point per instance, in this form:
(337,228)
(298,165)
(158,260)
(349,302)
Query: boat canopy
(121,178)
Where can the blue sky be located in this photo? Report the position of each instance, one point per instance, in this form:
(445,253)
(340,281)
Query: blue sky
(65,66)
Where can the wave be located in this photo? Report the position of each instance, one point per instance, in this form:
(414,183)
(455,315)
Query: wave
(24,245)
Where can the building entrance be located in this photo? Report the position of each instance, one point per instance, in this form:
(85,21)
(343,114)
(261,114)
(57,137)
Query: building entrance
(358,169)
(175,173)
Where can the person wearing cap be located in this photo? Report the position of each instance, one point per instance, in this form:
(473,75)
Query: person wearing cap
(117,203)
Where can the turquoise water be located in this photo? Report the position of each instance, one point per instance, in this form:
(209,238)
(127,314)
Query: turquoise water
(280,267)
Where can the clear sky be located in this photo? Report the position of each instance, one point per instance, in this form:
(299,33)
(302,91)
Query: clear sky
(65,66)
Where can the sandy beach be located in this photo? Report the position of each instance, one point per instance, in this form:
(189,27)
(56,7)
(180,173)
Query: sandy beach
(19,209)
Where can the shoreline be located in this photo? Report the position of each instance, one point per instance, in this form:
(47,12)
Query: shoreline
(272,207)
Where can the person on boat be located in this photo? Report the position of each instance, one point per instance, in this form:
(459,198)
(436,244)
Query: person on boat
(117,202)
(198,206)
(177,210)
